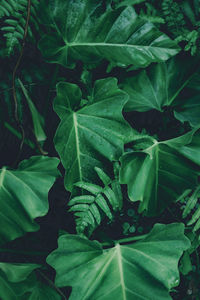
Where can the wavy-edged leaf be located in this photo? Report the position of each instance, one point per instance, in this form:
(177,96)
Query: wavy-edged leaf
(159,174)
(20,282)
(134,271)
(159,85)
(84,31)
(24,195)
(93,135)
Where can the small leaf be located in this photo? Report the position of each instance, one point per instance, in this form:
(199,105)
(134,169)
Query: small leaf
(38,120)
(95,212)
(103,205)
(103,176)
(82,199)
(90,187)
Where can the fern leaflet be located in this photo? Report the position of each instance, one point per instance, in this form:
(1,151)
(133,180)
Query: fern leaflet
(192,208)
(13,14)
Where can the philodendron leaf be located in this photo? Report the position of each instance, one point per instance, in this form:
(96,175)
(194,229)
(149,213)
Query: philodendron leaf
(159,85)
(87,136)
(84,31)
(133,271)
(160,173)
(24,195)
(19,282)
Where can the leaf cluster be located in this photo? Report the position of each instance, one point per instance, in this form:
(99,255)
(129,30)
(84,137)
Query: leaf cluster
(107,93)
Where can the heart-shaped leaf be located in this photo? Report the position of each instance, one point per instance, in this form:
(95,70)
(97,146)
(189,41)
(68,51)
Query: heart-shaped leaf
(89,135)
(133,271)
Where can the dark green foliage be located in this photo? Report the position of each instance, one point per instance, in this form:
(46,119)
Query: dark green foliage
(191,208)
(182,20)
(111,88)
(90,208)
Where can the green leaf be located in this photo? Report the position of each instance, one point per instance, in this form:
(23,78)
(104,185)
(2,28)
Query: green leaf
(19,282)
(24,195)
(191,149)
(189,110)
(133,271)
(93,135)
(38,121)
(186,264)
(158,85)
(84,31)
(159,174)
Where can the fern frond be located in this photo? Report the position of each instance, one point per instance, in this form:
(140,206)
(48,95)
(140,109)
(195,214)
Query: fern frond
(192,209)
(13,14)
(151,14)
(89,209)
(182,23)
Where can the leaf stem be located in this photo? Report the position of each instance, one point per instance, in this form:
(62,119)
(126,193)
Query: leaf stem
(18,122)
(51,283)
(125,240)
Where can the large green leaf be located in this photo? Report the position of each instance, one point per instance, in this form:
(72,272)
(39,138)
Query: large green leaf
(87,136)
(84,31)
(20,282)
(24,195)
(159,85)
(158,174)
(145,270)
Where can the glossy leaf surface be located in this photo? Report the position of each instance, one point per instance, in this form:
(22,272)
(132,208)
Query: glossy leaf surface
(85,31)
(24,195)
(133,271)
(159,85)
(19,282)
(88,135)
(157,175)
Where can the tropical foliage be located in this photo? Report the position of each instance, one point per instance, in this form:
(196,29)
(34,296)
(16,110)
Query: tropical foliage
(100,149)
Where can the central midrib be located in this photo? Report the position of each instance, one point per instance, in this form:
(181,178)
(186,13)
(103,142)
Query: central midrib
(77,144)
(119,260)
(113,45)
